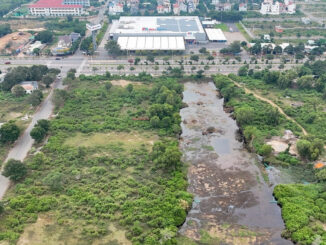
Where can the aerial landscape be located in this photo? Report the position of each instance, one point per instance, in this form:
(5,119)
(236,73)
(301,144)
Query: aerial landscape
(172,122)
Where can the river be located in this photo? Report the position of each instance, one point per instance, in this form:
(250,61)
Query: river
(232,202)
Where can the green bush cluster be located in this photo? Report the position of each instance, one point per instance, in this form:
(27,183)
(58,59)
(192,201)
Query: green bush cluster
(303,211)
(258,120)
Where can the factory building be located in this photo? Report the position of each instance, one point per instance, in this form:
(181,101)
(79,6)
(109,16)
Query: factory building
(157,32)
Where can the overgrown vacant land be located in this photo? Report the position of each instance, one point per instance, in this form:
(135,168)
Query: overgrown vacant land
(110,172)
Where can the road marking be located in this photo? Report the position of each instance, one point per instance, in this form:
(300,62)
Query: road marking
(81,67)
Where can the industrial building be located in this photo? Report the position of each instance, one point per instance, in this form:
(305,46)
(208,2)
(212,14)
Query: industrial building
(157,32)
(215,35)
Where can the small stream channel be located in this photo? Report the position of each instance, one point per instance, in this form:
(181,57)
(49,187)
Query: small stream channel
(231,200)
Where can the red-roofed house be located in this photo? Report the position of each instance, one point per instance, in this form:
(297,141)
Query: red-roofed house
(55,8)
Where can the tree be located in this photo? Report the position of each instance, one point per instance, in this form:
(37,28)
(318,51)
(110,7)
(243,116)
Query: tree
(305,82)
(277,50)
(265,150)
(48,80)
(137,60)
(243,70)
(284,81)
(36,51)
(18,91)
(289,49)
(194,58)
(108,86)
(40,130)
(200,74)
(155,122)
(9,132)
(271,77)
(210,57)
(15,170)
(244,115)
(44,36)
(59,97)
(256,49)
(234,48)
(113,48)
(203,50)
(150,58)
(54,180)
(35,98)
(38,134)
(130,88)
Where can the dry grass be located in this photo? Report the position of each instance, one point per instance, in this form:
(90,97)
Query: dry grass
(126,140)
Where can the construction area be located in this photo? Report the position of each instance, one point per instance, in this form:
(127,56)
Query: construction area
(13,43)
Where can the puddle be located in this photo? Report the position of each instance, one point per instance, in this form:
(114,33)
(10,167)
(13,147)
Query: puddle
(227,184)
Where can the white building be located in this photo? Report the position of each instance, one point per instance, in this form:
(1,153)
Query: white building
(115,8)
(268,7)
(243,7)
(55,8)
(176,9)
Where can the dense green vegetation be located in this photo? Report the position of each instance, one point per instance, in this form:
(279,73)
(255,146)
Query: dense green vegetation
(6,6)
(23,73)
(304,212)
(4,29)
(257,119)
(63,27)
(133,185)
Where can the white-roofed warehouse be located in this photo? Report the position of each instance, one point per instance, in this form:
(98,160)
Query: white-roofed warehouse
(157,32)
(215,35)
(151,43)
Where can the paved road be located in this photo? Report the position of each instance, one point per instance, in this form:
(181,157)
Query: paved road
(25,142)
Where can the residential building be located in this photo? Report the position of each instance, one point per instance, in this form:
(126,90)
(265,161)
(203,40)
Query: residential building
(85,3)
(55,8)
(35,45)
(227,7)
(215,2)
(182,6)
(176,9)
(305,20)
(269,7)
(115,8)
(64,44)
(243,7)
(29,86)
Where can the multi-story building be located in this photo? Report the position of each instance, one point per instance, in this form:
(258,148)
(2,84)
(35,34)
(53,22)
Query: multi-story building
(85,3)
(268,7)
(55,8)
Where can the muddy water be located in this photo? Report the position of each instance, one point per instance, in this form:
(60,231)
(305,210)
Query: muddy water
(232,203)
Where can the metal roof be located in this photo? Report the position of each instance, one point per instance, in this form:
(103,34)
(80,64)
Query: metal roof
(151,43)
(215,34)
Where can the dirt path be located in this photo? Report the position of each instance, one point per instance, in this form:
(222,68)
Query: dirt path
(272,104)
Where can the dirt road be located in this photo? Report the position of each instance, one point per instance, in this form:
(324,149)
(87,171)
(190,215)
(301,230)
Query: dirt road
(249,91)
